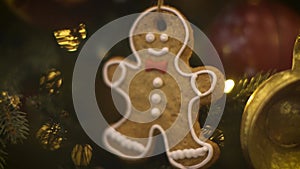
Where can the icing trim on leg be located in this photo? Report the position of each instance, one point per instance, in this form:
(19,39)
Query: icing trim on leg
(192,153)
(138,147)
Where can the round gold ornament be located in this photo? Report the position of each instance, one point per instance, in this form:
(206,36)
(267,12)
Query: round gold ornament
(51,136)
(270,131)
(82,155)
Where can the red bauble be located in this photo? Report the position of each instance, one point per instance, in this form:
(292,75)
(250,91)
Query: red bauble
(255,37)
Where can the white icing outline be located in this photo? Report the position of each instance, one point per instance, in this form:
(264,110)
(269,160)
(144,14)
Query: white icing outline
(160,52)
(193,77)
(188,153)
(124,142)
(150,37)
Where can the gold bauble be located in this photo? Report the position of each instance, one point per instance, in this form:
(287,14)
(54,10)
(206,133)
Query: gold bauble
(270,128)
(51,136)
(82,155)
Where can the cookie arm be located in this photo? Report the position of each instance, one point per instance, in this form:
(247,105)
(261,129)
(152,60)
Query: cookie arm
(111,71)
(204,84)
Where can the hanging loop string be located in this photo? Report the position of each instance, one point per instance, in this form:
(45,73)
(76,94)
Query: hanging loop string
(160,3)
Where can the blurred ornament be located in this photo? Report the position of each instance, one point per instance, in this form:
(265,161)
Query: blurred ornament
(82,154)
(51,136)
(270,126)
(70,38)
(255,36)
(52,81)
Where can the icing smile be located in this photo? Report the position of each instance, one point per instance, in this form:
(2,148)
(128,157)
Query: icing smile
(161,52)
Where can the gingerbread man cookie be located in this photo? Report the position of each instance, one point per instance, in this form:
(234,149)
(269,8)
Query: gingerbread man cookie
(162,92)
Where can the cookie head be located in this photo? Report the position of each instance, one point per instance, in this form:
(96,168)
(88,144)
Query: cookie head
(161,33)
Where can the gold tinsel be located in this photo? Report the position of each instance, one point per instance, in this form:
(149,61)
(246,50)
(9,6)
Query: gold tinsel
(13,102)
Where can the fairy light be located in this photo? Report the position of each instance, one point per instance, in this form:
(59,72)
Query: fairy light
(229,85)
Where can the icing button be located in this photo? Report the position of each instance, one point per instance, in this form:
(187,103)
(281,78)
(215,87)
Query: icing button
(155,112)
(155,98)
(157,82)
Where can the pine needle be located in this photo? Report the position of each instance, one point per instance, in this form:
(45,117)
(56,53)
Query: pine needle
(3,154)
(245,87)
(14,127)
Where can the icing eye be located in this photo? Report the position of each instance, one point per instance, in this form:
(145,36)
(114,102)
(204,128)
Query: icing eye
(150,37)
(164,37)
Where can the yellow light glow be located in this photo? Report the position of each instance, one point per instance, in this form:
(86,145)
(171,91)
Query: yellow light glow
(229,85)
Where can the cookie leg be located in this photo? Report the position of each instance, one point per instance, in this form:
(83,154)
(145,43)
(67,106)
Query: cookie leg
(193,153)
(127,139)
